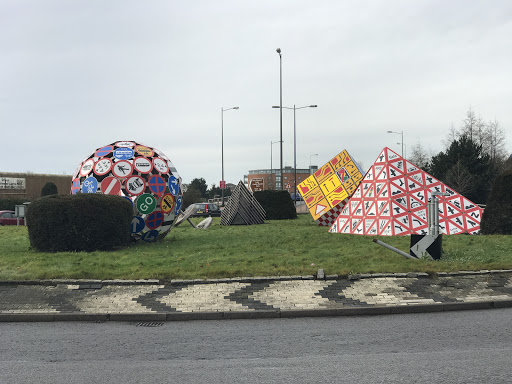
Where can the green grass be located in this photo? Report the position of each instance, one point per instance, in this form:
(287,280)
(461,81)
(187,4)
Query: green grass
(289,247)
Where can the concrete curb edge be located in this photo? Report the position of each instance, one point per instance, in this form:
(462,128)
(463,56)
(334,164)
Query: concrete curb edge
(258,314)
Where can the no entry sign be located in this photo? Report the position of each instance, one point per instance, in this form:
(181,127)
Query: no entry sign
(111,186)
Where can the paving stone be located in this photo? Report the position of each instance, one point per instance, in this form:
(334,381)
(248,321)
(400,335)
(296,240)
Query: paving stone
(250,297)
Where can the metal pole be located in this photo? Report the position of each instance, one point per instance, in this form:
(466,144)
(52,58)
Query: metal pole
(222,145)
(402,144)
(436,216)
(393,249)
(433,214)
(281,112)
(271,170)
(294,159)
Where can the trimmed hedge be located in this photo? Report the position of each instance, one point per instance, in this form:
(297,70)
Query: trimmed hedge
(497,217)
(85,222)
(49,189)
(9,204)
(278,205)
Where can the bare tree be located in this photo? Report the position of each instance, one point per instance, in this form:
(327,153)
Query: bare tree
(495,141)
(473,126)
(453,134)
(490,135)
(419,156)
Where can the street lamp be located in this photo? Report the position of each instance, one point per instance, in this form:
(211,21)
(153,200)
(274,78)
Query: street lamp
(271,168)
(402,134)
(294,141)
(278,50)
(405,151)
(222,145)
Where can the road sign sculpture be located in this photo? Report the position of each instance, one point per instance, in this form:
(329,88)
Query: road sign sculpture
(327,191)
(242,208)
(393,197)
(141,174)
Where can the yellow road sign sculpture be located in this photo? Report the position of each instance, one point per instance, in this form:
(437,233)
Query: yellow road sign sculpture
(327,191)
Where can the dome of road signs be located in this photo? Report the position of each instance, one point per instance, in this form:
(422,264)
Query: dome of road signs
(141,174)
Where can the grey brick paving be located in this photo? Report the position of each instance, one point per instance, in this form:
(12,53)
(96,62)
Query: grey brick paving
(258,297)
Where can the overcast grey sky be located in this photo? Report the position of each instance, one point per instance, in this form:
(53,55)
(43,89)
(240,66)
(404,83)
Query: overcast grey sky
(77,75)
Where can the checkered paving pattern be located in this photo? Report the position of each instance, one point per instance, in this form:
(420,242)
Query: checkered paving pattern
(247,296)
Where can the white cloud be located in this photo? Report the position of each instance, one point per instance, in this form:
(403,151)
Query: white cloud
(76,76)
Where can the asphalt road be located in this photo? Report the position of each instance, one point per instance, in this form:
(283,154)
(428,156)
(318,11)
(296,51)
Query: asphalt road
(445,347)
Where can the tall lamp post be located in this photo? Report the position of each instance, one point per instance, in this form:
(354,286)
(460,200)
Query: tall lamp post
(294,142)
(222,146)
(278,50)
(405,151)
(402,134)
(271,168)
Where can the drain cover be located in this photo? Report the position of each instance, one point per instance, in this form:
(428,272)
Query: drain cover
(150,324)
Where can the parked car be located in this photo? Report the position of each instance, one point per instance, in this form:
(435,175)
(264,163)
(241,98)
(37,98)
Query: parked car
(297,197)
(9,218)
(205,210)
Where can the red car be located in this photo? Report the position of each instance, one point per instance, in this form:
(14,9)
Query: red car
(9,218)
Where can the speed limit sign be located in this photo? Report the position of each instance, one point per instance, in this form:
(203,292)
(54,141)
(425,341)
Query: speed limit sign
(146,203)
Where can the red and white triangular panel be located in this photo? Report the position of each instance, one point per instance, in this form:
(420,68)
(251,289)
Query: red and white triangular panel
(392,200)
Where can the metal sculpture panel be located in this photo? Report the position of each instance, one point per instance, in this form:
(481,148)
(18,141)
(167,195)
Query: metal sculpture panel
(141,174)
(327,191)
(392,200)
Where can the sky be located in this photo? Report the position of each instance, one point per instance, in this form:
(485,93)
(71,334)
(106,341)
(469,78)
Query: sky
(78,75)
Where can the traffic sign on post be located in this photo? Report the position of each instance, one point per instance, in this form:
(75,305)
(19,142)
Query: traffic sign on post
(257,184)
(222,184)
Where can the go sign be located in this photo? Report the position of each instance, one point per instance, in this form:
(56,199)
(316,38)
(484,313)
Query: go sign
(146,203)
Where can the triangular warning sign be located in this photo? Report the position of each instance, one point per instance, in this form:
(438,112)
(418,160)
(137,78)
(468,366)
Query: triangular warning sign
(393,197)
(320,208)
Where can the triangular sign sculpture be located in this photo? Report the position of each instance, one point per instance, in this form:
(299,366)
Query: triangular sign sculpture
(392,200)
(242,208)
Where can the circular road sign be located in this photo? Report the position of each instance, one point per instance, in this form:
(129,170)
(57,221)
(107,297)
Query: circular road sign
(110,186)
(145,203)
(135,185)
(167,203)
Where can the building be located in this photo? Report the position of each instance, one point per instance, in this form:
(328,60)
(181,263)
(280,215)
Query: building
(28,185)
(270,179)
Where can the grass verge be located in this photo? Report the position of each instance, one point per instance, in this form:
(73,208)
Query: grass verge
(276,248)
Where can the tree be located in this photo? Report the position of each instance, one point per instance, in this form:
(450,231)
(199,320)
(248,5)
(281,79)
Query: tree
(465,165)
(49,189)
(474,127)
(419,156)
(494,144)
(459,178)
(490,135)
(215,191)
(200,185)
(191,196)
(497,217)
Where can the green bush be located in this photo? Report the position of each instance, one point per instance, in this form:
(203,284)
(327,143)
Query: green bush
(497,217)
(85,222)
(10,203)
(49,189)
(277,204)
